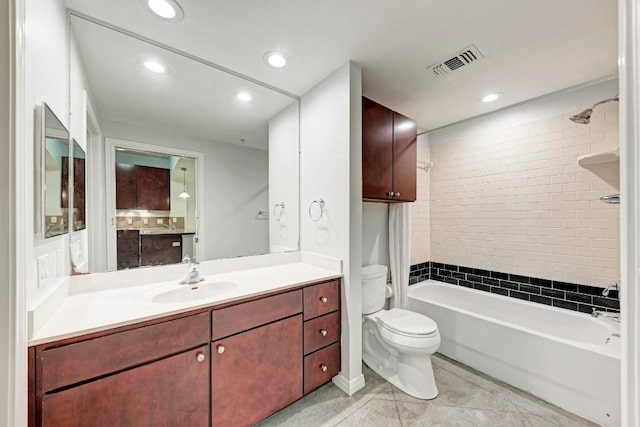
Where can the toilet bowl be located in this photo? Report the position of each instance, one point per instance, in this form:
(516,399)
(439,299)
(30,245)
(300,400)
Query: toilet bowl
(397,344)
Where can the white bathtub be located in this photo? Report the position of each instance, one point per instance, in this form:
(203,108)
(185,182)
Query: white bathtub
(569,359)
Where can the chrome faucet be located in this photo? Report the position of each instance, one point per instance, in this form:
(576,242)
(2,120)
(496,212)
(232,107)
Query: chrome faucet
(171,228)
(608,314)
(613,286)
(193,276)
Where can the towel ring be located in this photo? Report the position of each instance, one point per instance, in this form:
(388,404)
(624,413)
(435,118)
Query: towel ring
(320,203)
(276,211)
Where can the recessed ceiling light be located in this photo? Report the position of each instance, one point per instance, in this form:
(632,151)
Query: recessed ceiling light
(491,97)
(244,96)
(166,9)
(155,67)
(275,59)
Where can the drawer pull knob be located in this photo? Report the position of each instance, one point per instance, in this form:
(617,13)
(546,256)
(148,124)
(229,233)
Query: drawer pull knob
(221,349)
(323,368)
(323,332)
(200,357)
(324,300)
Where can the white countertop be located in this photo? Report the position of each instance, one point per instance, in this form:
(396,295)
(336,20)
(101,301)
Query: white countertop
(83,310)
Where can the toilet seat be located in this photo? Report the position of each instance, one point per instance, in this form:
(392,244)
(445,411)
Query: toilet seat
(406,323)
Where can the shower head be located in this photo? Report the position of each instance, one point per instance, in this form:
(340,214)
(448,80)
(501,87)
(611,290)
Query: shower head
(584,118)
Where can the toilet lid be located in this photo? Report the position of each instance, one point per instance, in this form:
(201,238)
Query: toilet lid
(405,322)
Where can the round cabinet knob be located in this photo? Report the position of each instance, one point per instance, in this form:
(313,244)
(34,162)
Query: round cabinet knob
(323,368)
(324,300)
(397,194)
(390,194)
(221,349)
(323,332)
(200,357)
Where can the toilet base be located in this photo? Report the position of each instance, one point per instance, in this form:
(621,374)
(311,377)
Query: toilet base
(417,382)
(410,372)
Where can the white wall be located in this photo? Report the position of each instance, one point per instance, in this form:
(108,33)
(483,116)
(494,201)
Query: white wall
(236,188)
(421,208)
(45,80)
(331,145)
(284,169)
(507,193)
(7,277)
(375,233)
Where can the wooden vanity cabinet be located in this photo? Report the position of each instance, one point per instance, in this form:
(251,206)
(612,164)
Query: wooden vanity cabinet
(160,249)
(142,187)
(232,364)
(128,249)
(389,154)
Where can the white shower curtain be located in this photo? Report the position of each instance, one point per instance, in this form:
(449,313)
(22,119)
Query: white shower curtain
(400,252)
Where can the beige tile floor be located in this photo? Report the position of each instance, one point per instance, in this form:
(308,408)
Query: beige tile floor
(467,398)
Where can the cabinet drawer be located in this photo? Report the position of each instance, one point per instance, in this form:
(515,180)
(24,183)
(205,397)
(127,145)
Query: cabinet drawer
(321,331)
(238,318)
(321,299)
(321,366)
(84,360)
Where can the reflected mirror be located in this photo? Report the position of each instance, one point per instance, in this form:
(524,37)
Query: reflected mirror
(171,127)
(54,158)
(78,217)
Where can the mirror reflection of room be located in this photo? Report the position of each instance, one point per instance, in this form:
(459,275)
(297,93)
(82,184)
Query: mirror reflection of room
(56,170)
(170,125)
(155,208)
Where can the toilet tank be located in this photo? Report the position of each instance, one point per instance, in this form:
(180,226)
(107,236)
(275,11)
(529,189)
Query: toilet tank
(374,284)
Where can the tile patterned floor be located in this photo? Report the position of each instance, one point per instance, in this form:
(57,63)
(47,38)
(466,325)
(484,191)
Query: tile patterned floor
(467,398)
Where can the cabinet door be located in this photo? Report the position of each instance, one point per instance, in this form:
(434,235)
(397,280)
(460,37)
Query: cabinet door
(126,186)
(377,150)
(170,392)
(128,245)
(160,250)
(256,373)
(154,188)
(405,157)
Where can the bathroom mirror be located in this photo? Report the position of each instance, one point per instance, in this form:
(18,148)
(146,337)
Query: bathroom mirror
(241,136)
(53,154)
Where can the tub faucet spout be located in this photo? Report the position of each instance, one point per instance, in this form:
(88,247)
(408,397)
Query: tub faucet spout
(613,286)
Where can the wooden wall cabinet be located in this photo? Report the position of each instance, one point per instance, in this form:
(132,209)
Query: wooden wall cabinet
(389,154)
(142,187)
(234,364)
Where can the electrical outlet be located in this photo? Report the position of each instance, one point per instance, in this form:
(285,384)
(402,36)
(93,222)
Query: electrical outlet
(145,221)
(129,221)
(159,221)
(59,263)
(42,272)
(54,219)
(175,219)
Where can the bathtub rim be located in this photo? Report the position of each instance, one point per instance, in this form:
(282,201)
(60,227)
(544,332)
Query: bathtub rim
(611,350)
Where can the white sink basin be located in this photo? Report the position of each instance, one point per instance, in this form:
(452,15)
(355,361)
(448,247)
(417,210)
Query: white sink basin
(194,292)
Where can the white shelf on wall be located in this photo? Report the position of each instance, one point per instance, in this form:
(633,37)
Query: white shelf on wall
(599,158)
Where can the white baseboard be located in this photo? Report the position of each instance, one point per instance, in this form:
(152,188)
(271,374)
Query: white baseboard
(349,386)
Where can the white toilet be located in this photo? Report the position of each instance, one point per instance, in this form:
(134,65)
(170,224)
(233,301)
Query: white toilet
(397,344)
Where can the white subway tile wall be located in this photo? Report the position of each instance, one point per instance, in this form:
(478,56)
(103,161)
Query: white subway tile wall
(516,200)
(420,209)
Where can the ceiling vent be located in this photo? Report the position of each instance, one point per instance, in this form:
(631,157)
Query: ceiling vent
(466,57)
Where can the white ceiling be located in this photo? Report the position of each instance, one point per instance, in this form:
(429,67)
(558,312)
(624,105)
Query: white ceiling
(531,47)
(192,99)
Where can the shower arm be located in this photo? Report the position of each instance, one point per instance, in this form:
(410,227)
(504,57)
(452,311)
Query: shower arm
(615,98)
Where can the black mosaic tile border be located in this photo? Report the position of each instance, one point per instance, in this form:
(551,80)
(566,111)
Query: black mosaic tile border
(570,296)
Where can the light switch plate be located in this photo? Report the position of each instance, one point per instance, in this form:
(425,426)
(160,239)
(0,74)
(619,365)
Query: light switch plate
(175,219)
(54,219)
(129,221)
(145,221)
(159,221)
(42,272)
